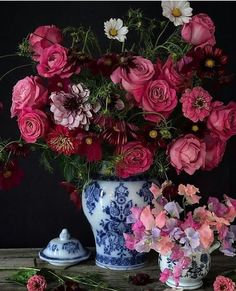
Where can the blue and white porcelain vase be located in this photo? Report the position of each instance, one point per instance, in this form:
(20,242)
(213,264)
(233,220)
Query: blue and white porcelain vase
(191,277)
(106,204)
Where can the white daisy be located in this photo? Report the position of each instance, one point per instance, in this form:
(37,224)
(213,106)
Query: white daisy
(179,12)
(114,29)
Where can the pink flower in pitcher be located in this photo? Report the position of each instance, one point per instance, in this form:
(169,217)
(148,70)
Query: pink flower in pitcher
(165,274)
(187,153)
(147,218)
(196,104)
(206,236)
(44,37)
(200,31)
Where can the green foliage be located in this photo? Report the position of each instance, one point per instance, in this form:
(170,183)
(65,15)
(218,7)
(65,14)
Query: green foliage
(45,160)
(21,277)
(24,48)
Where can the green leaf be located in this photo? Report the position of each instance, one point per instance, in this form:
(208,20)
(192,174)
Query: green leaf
(69,172)
(44,161)
(22,277)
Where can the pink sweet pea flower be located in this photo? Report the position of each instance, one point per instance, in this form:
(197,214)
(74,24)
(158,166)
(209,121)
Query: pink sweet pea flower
(161,219)
(156,190)
(165,245)
(206,236)
(165,274)
(129,241)
(189,192)
(147,218)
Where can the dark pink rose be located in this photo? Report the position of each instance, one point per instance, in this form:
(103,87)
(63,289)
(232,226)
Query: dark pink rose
(36,283)
(160,98)
(196,104)
(136,159)
(55,61)
(215,149)
(222,120)
(33,124)
(187,153)
(135,77)
(43,37)
(199,31)
(169,72)
(28,92)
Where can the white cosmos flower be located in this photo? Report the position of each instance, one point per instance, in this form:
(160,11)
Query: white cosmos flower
(114,29)
(179,12)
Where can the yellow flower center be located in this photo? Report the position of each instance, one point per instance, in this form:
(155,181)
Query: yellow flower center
(176,12)
(113,32)
(209,63)
(195,128)
(89,140)
(7,174)
(153,133)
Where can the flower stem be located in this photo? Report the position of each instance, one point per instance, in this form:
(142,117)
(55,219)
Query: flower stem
(163,30)
(85,40)
(18,67)
(123,46)
(8,56)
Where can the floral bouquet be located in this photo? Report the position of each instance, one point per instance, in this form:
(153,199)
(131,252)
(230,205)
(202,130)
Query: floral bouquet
(181,230)
(146,103)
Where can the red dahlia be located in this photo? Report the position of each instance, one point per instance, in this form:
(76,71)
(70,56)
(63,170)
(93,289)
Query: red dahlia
(62,140)
(18,149)
(10,176)
(90,147)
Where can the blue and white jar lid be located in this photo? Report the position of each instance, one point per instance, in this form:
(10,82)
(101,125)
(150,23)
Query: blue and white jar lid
(64,250)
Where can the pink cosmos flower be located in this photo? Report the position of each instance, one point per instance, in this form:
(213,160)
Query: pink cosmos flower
(196,104)
(223,283)
(189,192)
(187,153)
(44,37)
(36,283)
(28,92)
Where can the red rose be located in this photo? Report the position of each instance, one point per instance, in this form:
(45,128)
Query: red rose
(160,98)
(222,120)
(136,159)
(55,61)
(32,124)
(199,31)
(187,153)
(215,149)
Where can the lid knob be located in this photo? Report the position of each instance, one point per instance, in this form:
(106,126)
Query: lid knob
(64,235)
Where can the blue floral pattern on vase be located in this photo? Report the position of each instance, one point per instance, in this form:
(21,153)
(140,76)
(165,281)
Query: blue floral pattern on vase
(92,194)
(146,193)
(107,204)
(71,247)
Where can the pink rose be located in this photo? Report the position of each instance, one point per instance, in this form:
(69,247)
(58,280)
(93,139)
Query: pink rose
(136,159)
(33,124)
(135,77)
(37,283)
(160,98)
(199,31)
(223,283)
(187,154)
(215,149)
(222,120)
(44,37)
(55,61)
(196,104)
(170,73)
(28,92)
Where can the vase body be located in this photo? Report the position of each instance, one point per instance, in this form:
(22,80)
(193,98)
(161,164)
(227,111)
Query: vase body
(192,276)
(106,203)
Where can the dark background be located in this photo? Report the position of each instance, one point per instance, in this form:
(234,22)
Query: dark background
(39,208)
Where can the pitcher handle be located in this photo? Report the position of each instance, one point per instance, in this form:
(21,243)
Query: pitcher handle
(215,246)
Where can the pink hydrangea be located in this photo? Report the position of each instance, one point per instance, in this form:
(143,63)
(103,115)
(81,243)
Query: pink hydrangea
(223,283)
(196,104)
(36,283)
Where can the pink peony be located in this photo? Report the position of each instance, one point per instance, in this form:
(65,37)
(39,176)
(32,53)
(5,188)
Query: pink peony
(136,159)
(196,104)
(44,37)
(55,61)
(199,31)
(33,124)
(36,283)
(215,149)
(160,98)
(187,153)
(28,92)
(135,77)
(222,120)
(223,283)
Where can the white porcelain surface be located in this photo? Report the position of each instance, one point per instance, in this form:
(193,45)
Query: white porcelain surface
(64,251)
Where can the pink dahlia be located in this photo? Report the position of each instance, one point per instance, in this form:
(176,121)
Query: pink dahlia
(196,104)
(36,283)
(72,109)
(223,283)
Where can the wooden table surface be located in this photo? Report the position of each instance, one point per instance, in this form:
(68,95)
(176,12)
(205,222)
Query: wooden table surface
(14,258)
